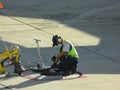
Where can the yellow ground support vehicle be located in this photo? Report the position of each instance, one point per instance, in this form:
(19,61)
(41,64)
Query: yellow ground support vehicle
(10,57)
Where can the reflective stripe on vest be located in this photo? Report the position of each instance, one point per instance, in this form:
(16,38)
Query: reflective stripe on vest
(72,52)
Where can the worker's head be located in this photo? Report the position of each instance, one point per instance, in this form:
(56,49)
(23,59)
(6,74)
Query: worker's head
(56,40)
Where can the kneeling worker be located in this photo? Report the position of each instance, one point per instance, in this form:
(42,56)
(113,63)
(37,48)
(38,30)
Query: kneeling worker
(67,58)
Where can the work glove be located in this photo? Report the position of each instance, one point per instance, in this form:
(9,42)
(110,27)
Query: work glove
(53,58)
(54,65)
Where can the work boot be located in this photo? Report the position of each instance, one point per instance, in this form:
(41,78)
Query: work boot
(79,73)
(66,73)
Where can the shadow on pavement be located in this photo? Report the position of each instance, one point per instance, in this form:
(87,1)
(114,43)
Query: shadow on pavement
(79,14)
(97,59)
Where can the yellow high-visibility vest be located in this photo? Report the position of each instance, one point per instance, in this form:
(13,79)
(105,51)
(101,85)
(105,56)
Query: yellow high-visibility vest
(72,52)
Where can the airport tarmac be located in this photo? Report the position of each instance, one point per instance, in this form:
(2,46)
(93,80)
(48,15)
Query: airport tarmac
(92,26)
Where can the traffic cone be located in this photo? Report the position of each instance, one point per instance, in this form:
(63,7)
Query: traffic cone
(1,5)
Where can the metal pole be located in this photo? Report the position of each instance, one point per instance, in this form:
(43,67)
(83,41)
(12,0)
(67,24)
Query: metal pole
(38,47)
(41,59)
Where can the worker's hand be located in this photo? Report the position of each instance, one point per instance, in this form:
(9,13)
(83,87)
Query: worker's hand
(53,58)
(54,65)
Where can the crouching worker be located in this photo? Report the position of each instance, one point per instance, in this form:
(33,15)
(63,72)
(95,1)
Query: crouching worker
(67,58)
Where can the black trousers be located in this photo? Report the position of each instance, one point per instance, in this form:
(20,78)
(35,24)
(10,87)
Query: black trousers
(68,64)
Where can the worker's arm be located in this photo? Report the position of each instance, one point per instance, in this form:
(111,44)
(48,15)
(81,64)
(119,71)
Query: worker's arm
(59,56)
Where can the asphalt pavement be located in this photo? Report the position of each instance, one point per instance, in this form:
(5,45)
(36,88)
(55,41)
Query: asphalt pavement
(92,26)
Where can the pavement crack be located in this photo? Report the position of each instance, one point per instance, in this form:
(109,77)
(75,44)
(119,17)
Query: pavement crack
(40,29)
(110,58)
